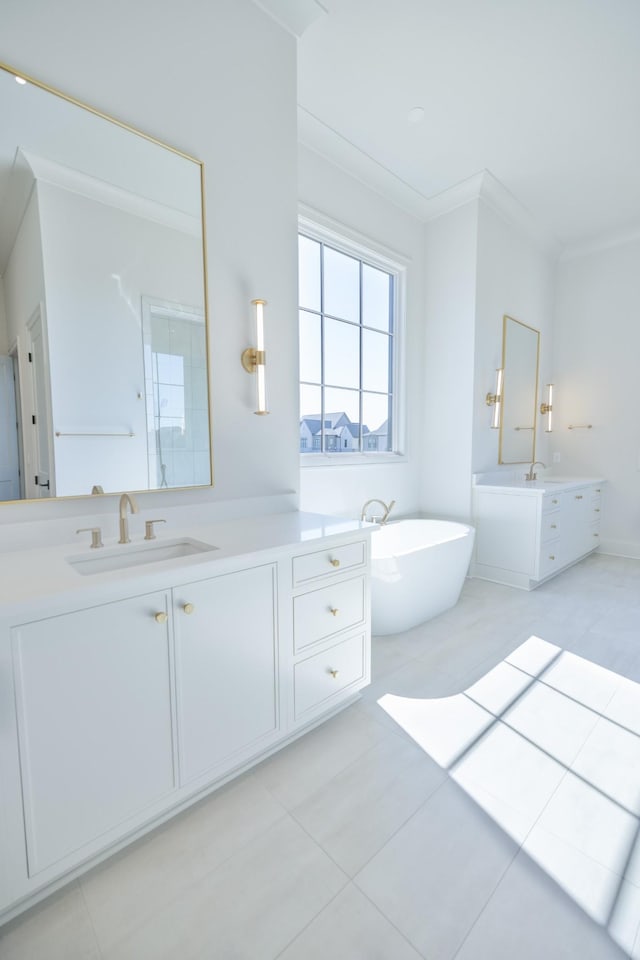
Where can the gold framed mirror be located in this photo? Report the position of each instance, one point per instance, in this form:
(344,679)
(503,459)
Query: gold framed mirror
(520,362)
(104,343)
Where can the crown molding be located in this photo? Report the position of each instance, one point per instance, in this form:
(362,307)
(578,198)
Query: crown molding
(483,185)
(294,15)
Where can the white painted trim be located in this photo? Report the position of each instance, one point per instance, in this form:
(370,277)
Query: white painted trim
(620,548)
(321,227)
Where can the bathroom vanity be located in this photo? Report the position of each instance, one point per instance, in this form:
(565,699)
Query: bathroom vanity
(132,686)
(528,531)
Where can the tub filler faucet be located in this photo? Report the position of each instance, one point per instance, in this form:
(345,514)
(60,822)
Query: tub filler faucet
(385,516)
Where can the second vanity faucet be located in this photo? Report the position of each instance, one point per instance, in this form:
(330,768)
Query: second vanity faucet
(387,510)
(126,499)
(531,475)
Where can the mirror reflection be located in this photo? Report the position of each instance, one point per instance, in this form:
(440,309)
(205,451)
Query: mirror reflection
(103,336)
(520,351)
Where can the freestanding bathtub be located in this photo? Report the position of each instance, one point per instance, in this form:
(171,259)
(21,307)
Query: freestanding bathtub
(418,568)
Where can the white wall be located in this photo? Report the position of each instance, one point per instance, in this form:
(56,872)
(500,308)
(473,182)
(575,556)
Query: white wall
(596,350)
(516,276)
(217,80)
(4,333)
(342,490)
(451,265)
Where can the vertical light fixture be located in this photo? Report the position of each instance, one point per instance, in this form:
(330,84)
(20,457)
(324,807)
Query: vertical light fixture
(495,399)
(254,359)
(546,409)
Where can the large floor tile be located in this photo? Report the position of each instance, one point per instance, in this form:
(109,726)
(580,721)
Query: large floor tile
(551,721)
(134,885)
(355,814)
(434,877)
(586,682)
(250,908)
(350,928)
(530,918)
(57,929)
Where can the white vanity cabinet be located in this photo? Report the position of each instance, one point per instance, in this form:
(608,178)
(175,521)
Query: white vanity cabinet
(526,533)
(126,697)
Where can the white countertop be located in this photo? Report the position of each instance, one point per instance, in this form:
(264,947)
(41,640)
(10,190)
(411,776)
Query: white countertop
(29,577)
(544,484)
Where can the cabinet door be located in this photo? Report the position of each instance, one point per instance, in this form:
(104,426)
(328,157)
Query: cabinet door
(225,632)
(94,720)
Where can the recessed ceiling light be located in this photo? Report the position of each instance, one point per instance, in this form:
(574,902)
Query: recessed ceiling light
(416,115)
(20,80)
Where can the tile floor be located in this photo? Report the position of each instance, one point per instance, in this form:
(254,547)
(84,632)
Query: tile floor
(355,844)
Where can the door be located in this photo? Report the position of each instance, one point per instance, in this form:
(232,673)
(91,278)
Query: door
(9,457)
(94,721)
(41,482)
(225,631)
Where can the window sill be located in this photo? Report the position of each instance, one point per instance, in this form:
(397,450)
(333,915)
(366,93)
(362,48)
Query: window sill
(312,460)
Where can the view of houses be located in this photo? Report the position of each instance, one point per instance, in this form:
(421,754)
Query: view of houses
(340,435)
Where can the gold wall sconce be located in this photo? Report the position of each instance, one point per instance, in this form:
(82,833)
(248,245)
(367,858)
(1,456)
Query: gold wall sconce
(254,359)
(546,409)
(495,399)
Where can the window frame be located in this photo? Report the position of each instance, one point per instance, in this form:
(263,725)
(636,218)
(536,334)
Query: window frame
(341,238)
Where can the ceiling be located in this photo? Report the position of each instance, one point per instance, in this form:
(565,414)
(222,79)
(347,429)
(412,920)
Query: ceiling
(542,94)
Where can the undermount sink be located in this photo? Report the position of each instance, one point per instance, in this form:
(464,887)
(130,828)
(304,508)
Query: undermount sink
(134,555)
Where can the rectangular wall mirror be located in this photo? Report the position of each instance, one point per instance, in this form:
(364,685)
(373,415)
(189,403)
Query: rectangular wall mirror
(520,353)
(104,379)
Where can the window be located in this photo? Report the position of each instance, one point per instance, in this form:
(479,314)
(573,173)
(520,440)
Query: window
(348,346)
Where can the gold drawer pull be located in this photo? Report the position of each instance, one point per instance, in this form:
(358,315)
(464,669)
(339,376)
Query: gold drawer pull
(596,509)
(551,556)
(578,496)
(161,617)
(598,490)
(334,562)
(553,526)
(334,673)
(188,608)
(334,611)
(554,501)
(596,534)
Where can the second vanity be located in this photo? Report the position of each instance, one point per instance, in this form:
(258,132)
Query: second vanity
(128,693)
(528,531)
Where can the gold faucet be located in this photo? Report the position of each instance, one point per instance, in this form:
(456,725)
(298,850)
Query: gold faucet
(385,516)
(125,499)
(531,475)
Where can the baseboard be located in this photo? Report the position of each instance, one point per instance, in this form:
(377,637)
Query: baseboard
(620,548)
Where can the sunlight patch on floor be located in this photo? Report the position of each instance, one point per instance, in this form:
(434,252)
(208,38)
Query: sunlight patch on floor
(548,744)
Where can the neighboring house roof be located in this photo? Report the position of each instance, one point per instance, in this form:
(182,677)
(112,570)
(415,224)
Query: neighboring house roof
(382,430)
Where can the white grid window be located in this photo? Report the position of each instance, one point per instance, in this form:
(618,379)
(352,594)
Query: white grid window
(348,346)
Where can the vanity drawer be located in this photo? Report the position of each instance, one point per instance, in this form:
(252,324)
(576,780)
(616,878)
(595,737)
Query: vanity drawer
(550,559)
(551,502)
(321,613)
(594,534)
(326,675)
(313,565)
(550,529)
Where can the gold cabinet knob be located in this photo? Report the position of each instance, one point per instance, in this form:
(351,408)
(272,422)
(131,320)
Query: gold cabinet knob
(554,501)
(596,509)
(188,607)
(578,496)
(161,617)
(334,673)
(553,526)
(551,556)
(334,562)
(598,490)
(334,611)
(596,534)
